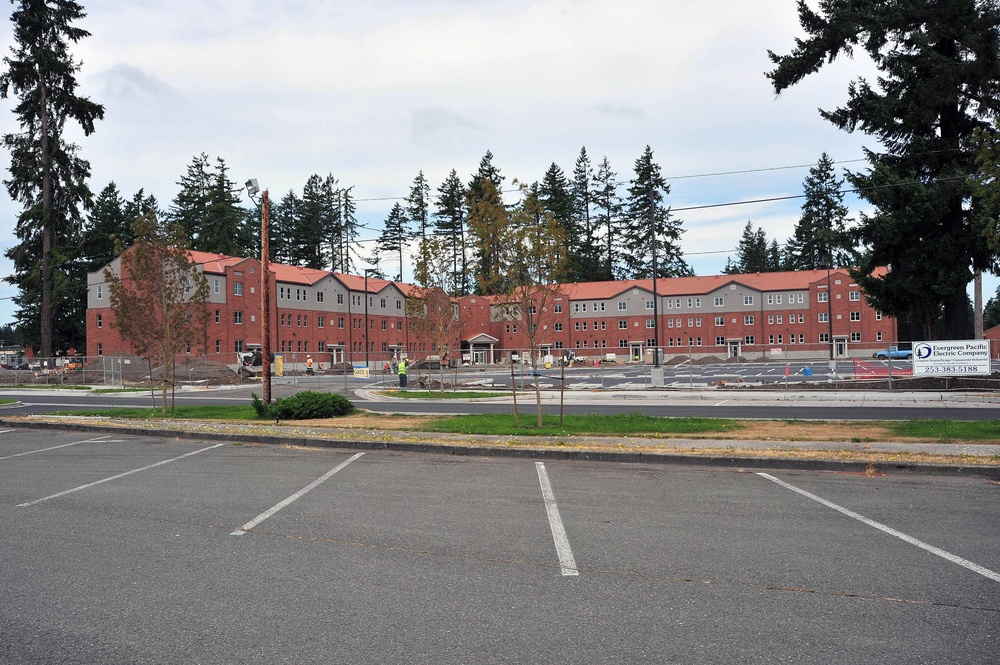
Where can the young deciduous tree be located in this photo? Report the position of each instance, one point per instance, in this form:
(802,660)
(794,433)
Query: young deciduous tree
(431,312)
(47,176)
(532,257)
(939,74)
(159,298)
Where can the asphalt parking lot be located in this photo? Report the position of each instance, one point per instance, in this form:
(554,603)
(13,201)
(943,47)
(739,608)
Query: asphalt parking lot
(144,549)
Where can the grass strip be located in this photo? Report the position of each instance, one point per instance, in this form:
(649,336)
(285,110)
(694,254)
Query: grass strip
(186,412)
(595,425)
(948,430)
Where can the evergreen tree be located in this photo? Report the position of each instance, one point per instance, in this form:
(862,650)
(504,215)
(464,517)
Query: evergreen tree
(416,206)
(939,72)
(588,248)
(648,219)
(991,313)
(283,221)
(608,209)
(393,239)
(107,222)
(311,248)
(556,198)
(190,206)
(449,221)
(140,204)
(820,238)
(754,254)
(487,214)
(225,228)
(347,232)
(47,176)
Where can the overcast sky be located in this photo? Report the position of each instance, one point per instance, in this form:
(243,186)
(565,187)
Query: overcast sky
(375,91)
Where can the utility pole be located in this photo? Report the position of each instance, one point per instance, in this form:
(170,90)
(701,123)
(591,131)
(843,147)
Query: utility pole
(656,305)
(265,299)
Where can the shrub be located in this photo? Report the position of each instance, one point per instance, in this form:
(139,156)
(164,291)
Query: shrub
(305,405)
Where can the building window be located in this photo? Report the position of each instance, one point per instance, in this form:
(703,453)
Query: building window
(781,339)
(602,307)
(100,293)
(623,344)
(770,319)
(622,306)
(650,323)
(384,324)
(720,320)
(824,337)
(218,316)
(320,321)
(604,325)
(747,300)
(100,349)
(802,318)
(777,299)
(749,340)
(720,341)
(878,316)
(748,320)
(824,317)
(340,298)
(878,336)
(622,324)
(100,321)
(720,301)
(822,296)
(801,298)
(670,304)
(779,319)
(319,296)
(558,327)
(649,304)
(651,342)
(855,337)
(305,321)
(238,317)
(854,296)
(238,345)
(557,309)
(855,316)
(576,327)
(770,301)
(770,339)
(216,287)
(340,322)
(218,346)
(670,323)
(321,346)
(237,288)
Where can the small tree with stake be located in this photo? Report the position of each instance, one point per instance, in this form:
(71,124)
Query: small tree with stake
(158,297)
(430,311)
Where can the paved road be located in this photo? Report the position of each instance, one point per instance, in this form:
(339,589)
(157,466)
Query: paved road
(793,404)
(141,549)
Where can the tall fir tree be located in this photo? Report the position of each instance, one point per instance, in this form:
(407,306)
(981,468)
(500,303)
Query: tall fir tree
(48,178)
(754,253)
(189,207)
(556,197)
(449,221)
(417,204)
(393,240)
(347,232)
(608,209)
(311,244)
(652,235)
(486,216)
(225,228)
(106,222)
(821,238)
(283,222)
(588,247)
(939,76)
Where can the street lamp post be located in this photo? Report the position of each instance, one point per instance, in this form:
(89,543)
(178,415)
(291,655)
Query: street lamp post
(265,289)
(367,272)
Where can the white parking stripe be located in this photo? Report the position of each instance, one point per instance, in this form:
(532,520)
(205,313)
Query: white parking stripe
(311,486)
(976,568)
(65,445)
(120,475)
(566,560)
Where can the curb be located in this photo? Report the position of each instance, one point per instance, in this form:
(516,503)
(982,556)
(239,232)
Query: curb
(987,471)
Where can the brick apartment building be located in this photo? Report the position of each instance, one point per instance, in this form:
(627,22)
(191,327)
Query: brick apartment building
(334,318)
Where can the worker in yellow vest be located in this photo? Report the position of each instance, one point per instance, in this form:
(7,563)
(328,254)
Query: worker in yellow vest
(402,372)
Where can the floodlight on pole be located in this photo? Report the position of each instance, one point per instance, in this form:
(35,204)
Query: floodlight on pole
(265,288)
